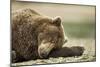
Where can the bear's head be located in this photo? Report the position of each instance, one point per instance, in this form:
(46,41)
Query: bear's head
(50,35)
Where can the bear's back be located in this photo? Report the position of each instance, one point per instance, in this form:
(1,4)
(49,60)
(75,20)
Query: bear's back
(23,15)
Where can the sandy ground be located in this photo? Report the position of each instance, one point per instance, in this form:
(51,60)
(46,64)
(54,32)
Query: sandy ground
(88,55)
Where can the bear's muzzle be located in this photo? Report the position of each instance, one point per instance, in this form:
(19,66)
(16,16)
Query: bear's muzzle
(44,49)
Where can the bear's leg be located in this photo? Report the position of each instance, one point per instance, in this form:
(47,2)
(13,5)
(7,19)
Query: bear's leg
(16,57)
(67,52)
(13,58)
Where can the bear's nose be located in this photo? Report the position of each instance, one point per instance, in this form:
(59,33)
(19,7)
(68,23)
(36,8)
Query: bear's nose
(44,55)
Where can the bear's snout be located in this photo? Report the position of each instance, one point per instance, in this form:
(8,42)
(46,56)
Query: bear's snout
(44,49)
(44,54)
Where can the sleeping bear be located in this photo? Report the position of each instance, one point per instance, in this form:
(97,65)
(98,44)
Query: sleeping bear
(36,36)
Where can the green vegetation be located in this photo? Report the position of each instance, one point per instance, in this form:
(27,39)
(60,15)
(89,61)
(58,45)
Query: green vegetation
(80,30)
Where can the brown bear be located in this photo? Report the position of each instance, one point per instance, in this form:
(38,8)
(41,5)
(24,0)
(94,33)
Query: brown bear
(37,36)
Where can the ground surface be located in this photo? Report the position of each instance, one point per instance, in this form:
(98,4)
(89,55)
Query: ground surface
(89,54)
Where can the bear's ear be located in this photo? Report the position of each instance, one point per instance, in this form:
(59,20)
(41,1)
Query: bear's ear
(57,21)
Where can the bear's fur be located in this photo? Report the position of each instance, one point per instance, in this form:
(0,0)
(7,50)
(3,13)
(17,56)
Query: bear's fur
(35,35)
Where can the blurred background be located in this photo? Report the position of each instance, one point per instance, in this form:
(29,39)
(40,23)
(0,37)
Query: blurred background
(78,20)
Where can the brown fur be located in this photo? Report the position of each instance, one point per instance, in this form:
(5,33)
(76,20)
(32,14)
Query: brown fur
(67,52)
(34,35)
